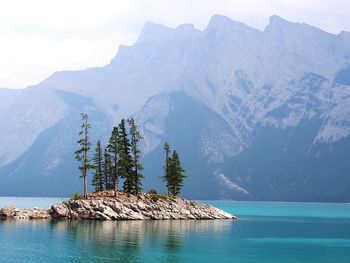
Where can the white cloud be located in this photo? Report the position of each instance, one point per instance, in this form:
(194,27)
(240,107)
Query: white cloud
(39,37)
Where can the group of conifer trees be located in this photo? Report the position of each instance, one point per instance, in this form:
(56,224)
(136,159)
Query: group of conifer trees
(121,159)
(173,172)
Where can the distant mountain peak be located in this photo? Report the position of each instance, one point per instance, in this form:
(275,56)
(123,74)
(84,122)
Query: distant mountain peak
(279,20)
(222,27)
(186,27)
(153,31)
(277,23)
(220,19)
(220,22)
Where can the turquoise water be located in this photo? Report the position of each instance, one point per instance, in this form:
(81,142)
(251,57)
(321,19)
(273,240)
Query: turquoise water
(265,232)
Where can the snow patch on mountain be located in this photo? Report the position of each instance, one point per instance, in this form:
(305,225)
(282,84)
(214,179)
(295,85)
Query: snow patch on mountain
(229,184)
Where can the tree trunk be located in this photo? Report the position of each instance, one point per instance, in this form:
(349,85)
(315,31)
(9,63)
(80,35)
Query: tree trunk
(101,182)
(85,190)
(115,187)
(136,178)
(100,172)
(106,182)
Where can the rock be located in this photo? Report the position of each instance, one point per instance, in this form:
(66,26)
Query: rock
(59,211)
(9,211)
(34,213)
(108,211)
(100,216)
(105,206)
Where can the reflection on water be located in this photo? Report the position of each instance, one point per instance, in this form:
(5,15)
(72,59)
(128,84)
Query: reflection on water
(129,236)
(121,241)
(126,241)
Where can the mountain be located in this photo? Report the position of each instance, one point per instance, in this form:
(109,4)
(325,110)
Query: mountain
(255,115)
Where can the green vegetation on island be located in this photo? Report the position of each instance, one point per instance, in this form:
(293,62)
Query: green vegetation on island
(121,159)
(173,172)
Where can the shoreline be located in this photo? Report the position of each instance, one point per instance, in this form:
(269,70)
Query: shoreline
(105,206)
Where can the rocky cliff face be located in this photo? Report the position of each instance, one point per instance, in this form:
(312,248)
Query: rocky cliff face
(106,206)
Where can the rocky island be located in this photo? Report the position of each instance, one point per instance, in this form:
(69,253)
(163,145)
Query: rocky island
(105,206)
(121,159)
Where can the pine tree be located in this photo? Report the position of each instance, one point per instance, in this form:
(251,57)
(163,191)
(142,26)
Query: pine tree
(165,177)
(107,170)
(176,174)
(97,159)
(124,162)
(136,156)
(113,151)
(82,153)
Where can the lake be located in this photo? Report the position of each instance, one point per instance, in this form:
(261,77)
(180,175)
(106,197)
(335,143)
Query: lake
(265,232)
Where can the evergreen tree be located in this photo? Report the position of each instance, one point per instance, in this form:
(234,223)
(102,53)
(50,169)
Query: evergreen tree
(97,159)
(107,170)
(176,174)
(166,177)
(135,138)
(124,161)
(82,153)
(113,151)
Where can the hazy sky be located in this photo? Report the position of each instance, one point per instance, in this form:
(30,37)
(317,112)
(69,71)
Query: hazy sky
(39,37)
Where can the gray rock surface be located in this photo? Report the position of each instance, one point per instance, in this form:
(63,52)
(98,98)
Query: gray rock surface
(104,206)
(32,213)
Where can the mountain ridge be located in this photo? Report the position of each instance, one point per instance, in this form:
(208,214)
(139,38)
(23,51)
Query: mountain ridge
(237,80)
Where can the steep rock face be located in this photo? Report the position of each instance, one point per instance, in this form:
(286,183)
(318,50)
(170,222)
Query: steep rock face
(220,89)
(29,113)
(49,168)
